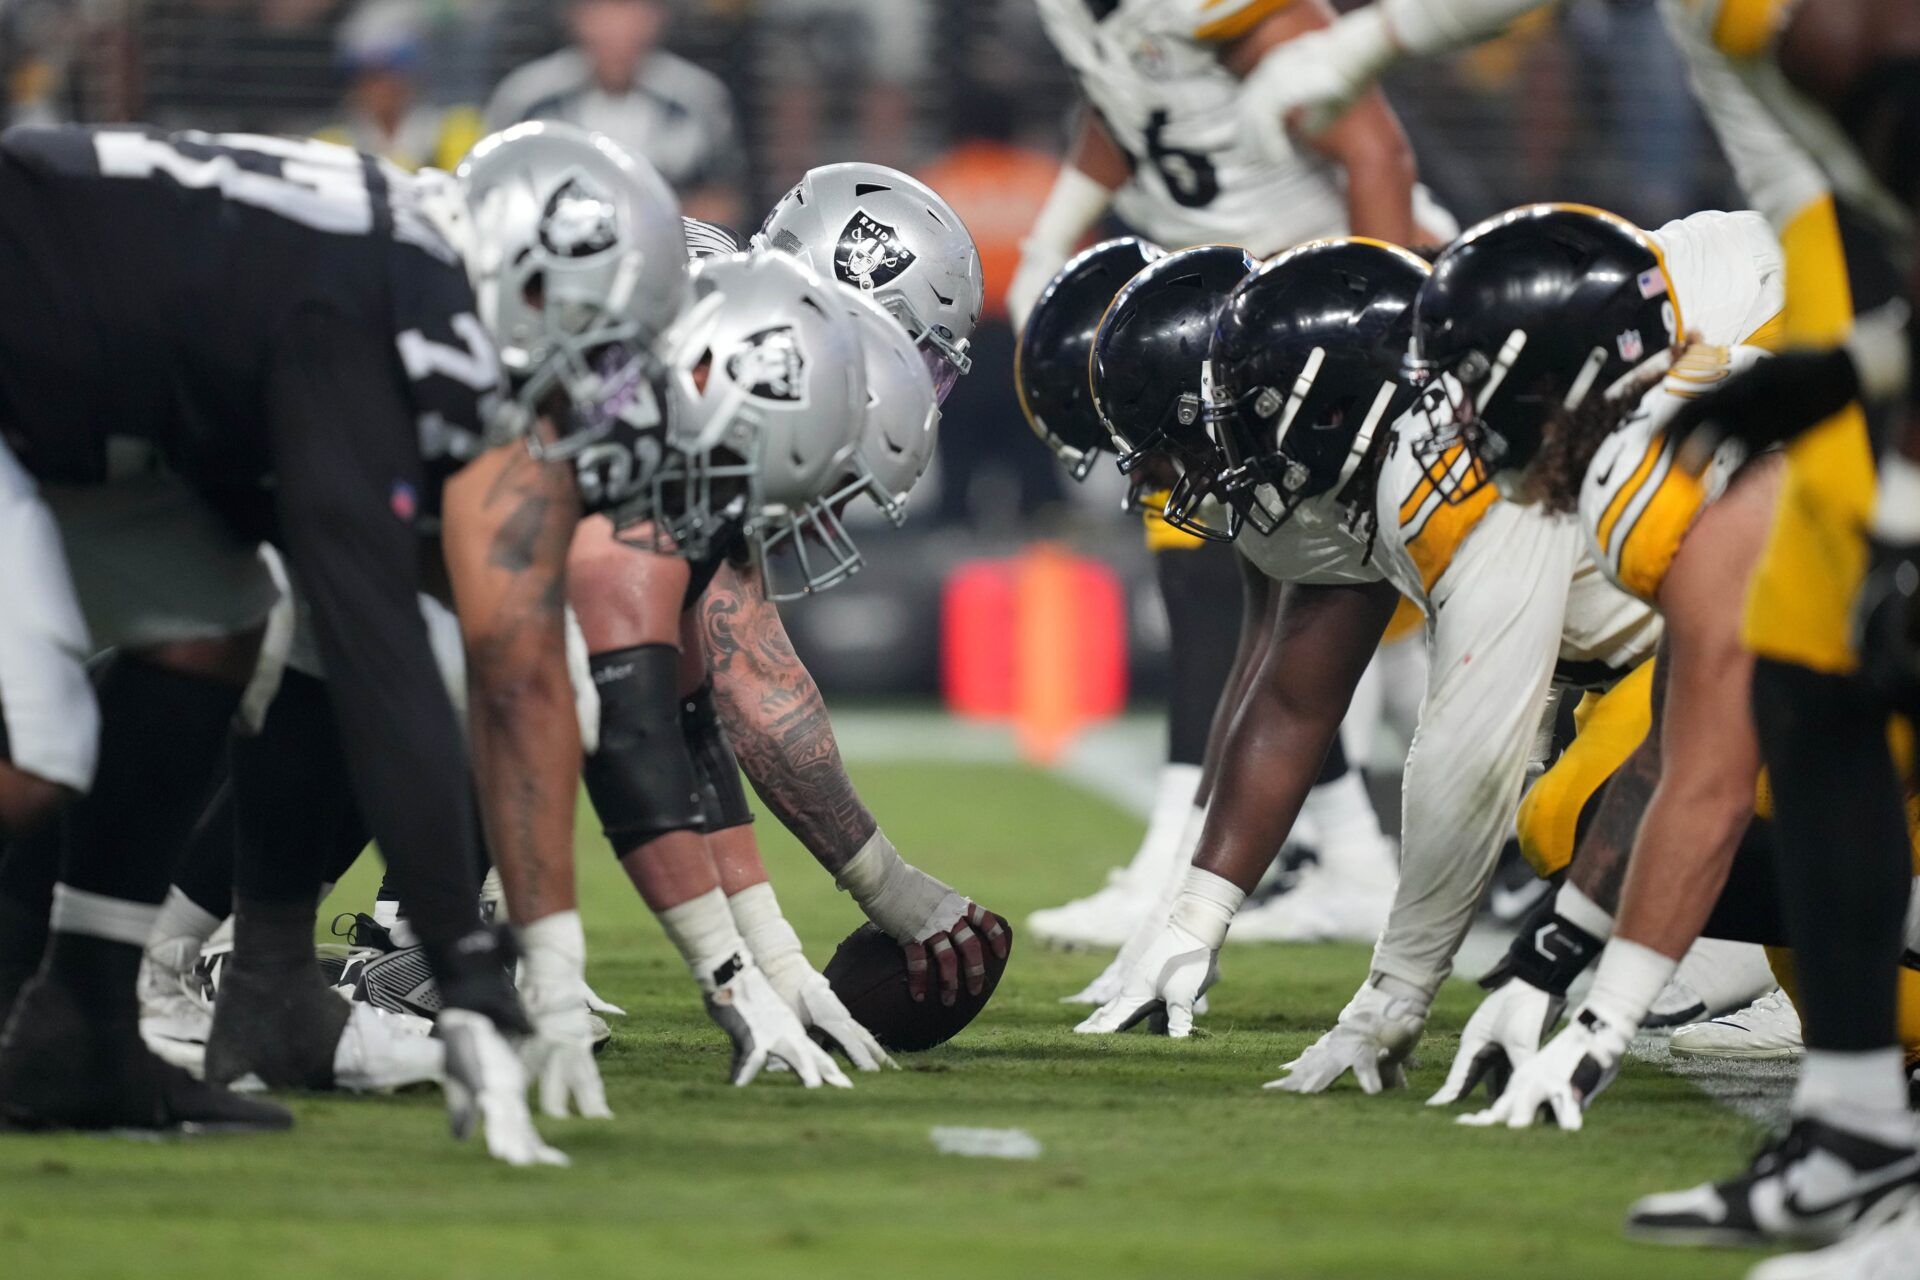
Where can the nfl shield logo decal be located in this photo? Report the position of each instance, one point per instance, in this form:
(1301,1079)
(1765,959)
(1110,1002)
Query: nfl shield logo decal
(1631,346)
(869,253)
(771,366)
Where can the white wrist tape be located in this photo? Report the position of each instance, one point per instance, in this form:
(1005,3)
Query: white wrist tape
(553,949)
(1393,988)
(1896,511)
(1582,912)
(702,930)
(1426,27)
(1627,982)
(1206,906)
(903,900)
(1075,204)
(764,929)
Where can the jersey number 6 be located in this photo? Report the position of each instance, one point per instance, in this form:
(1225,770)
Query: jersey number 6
(1189,175)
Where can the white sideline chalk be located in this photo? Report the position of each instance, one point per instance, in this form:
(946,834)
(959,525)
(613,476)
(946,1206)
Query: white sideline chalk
(995,1144)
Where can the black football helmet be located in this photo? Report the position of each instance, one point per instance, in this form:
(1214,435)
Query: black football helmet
(1533,309)
(1148,376)
(1050,364)
(1306,367)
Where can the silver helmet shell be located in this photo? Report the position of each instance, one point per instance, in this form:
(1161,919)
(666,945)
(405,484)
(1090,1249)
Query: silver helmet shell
(574,247)
(894,449)
(765,391)
(893,238)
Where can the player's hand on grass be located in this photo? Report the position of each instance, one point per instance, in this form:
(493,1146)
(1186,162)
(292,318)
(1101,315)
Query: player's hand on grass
(1171,975)
(487,1090)
(1502,1036)
(820,1011)
(763,1028)
(553,986)
(1563,1079)
(1372,1039)
(942,932)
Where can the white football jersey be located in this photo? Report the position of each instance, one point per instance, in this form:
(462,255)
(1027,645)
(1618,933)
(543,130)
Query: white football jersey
(1150,69)
(1728,274)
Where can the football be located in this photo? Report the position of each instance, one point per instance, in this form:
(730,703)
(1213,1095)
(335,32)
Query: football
(869,974)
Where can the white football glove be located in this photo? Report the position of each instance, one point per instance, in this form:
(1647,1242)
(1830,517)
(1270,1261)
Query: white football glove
(1372,1039)
(1172,974)
(553,987)
(1564,1078)
(1501,1037)
(487,1089)
(812,1000)
(762,1027)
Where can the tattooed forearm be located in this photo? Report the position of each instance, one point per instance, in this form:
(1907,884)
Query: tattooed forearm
(774,716)
(506,550)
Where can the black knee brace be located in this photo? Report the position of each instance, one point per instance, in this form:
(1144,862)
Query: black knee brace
(642,780)
(721,795)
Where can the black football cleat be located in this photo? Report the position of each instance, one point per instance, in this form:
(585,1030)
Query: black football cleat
(1812,1185)
(62,1069)
(280,1027)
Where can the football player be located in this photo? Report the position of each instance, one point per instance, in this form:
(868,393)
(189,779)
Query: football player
(1458,561)
(335,315)
(1161,146)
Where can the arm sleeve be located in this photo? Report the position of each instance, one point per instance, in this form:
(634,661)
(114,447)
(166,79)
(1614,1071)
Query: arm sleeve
(1426,27)
(349,472)
(1496,636)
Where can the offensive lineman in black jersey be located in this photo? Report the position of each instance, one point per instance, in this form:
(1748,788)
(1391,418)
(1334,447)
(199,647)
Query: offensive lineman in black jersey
(292,349)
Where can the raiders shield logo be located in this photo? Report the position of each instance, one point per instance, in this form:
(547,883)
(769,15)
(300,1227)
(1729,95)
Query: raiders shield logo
(771,366)
(869,253)
(579,220)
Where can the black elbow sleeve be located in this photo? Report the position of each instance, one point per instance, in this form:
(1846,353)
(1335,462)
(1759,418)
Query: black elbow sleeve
(642,780)
(721,793)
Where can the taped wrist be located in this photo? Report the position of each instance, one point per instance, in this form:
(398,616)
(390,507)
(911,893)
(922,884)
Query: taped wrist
(900,898)
(1627,983)
(642,780)
(703,931)
(1551,949)
(771,940)
(553,950)
(723,798)
(1206,906)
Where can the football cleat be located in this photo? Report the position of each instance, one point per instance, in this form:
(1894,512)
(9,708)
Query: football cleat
(1767,1028)
(1324,905)
(380,1052)
(176,1002)
(1105,918)
(1884,1249)
(399,981)
(61,1069)
(1714,978)
(1811,1184)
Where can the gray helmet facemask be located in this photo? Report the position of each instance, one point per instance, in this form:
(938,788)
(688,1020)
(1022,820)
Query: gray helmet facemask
(578,260)
(894,448)
(764,392)
(893,238)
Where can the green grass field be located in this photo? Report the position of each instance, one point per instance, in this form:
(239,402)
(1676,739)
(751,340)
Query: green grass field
(1160,1159)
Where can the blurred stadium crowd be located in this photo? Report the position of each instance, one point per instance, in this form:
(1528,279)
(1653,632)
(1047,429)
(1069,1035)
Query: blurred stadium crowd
(734,99)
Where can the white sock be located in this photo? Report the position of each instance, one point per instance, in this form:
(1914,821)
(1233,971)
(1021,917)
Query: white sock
(95,915)
(1349,829)
(1865,1092)
(182,917)
(386,914)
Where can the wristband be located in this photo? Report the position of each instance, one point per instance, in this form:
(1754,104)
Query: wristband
(553,949)
(1206,906)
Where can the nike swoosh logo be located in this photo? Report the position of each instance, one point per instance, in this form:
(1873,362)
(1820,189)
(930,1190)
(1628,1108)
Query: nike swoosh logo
(1600,480)
(1891,1176)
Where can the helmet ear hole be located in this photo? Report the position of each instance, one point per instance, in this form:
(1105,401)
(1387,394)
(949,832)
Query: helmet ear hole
(702,369)
(534,291)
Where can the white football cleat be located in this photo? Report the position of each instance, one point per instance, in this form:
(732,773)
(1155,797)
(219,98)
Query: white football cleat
(1714,977)
(176,1008)
(381,1051)
(1767,1028)
(1324,906)
(1881,1250)
(1106,918)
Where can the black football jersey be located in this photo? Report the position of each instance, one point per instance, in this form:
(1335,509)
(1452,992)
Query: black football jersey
(150,275)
